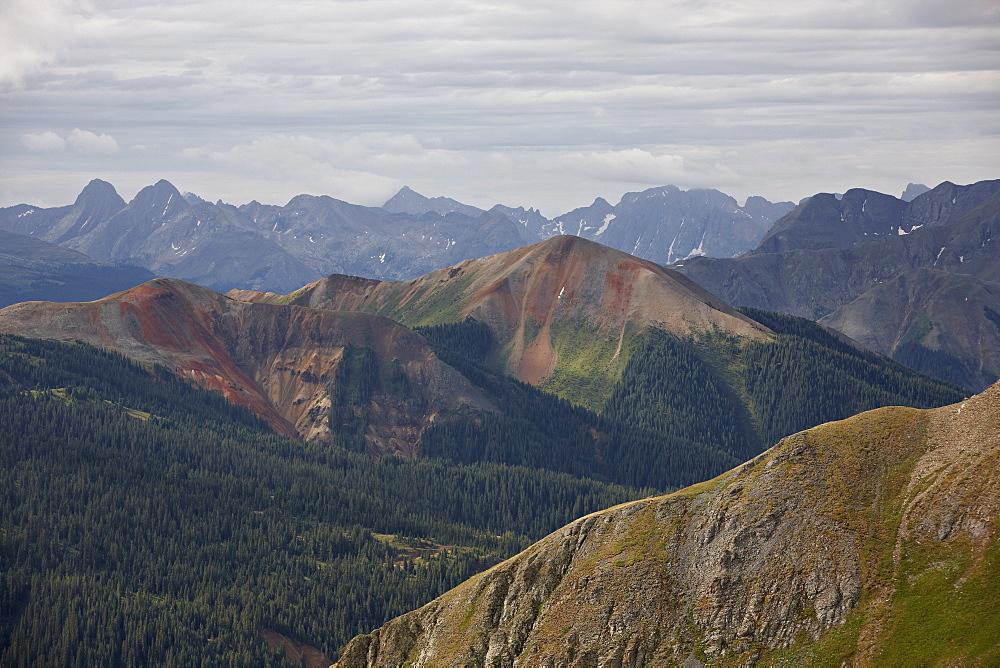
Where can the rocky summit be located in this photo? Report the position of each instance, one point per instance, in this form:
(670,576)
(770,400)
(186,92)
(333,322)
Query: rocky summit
(869,541)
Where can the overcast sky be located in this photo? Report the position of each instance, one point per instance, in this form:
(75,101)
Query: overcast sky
(545,103)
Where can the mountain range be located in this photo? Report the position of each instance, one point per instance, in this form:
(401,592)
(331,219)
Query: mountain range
(817,261)
(197,477)
(914,280)
(669,383)
(227,540)
(564,311)
(667,224)
(279,248)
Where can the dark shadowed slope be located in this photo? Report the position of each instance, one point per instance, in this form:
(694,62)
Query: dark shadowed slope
(953,229)
(32,269)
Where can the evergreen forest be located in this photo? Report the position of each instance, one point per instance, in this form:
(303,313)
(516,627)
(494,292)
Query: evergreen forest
(684,410)
(143,521)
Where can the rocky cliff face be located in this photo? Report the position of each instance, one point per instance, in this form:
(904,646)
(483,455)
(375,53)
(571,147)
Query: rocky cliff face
(869,541)
(668,224)
(278,361)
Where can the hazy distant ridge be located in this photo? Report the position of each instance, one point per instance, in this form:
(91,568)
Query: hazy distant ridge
(278,248)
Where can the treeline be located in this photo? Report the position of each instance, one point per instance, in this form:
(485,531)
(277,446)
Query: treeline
(683,410)
(668,389)
(809,376)
(539,430)
(937,362)
(144,521)
(742,395)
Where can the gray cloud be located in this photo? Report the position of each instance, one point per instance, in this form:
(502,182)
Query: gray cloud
(544,104)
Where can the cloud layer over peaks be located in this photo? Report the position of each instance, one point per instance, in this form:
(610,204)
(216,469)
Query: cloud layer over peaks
(541,104)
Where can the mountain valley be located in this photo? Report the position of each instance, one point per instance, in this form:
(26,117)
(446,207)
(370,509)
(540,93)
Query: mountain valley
(144,521)
(257,477)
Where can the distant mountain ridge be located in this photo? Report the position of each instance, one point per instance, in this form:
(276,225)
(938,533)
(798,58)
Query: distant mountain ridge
(668,224)
(35,270)
(862,213)
(817,258)
(827,253)
(160,230)
(277,248)
(411,202)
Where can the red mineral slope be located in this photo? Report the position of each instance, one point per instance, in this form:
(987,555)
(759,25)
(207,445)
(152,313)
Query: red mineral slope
(535,299)
(278,361)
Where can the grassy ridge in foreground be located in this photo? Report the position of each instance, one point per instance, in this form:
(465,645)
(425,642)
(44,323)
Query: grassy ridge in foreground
(869,541)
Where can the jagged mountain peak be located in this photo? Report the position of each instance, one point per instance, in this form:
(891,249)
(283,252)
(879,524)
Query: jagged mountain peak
(315,235)
(667,224)
(658,191)
(408,201)
(163,186)
(100,191)
(160,193)
(912,191)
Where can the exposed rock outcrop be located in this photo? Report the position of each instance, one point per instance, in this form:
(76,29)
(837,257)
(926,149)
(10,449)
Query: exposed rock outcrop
(821,550)
(278,361)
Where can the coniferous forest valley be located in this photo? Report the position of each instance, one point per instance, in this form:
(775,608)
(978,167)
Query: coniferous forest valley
(671,431)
